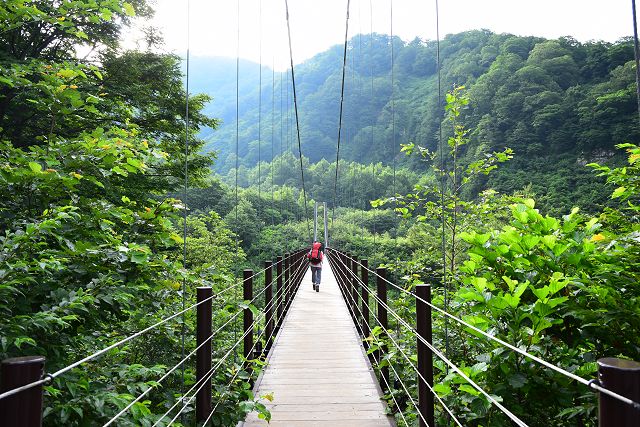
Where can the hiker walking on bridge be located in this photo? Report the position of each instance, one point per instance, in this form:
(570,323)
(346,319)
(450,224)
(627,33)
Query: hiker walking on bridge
(316,255)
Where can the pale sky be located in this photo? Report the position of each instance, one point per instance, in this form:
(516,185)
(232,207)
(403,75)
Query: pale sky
(319,24)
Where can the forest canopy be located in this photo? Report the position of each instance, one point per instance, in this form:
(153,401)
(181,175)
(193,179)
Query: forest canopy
(514,193)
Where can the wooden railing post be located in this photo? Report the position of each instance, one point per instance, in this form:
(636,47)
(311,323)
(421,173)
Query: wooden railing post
(349,284)
(622,377)
(203,354)
(294,274)
(279,297)
(335,264)
(248,315)
(364,296)
(381,286)
(301,271)
(303,260)
(338,264)
(354,290)
(287,282)
(343,271)
(25,408)
(425,355)
(340,259)
(269,308)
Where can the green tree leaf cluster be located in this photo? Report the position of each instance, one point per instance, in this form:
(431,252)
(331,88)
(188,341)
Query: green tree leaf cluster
(558,104)
(90,245)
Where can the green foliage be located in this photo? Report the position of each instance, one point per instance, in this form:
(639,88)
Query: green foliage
(522,283)
(210,244)
(624,178)
(89,244)
(563,289)
(357,183)
(81,256)
(553,102)
(442,200)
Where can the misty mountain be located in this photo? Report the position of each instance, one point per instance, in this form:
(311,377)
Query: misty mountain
(557,103)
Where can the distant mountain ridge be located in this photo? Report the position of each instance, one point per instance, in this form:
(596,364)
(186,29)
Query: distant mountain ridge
(542,98)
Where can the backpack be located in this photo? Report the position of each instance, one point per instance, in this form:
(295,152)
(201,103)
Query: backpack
(316,254)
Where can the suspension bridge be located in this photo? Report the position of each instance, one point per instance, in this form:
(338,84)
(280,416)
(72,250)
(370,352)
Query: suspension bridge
(321,365)
(318,371)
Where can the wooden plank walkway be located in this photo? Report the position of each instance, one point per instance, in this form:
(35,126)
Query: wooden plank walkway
(318,371)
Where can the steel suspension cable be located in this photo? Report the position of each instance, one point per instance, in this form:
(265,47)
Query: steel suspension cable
(415,368)
(453,366)
(362,170)
(282,201)
(588,383)
(592,384)
(186,189)
(209,374)
(257,340)
(265,269)
(62,371)
(442,181)
(359,327)
(393,111)
(273,115)
(375,315)
(636,52)
(281,302)
(295,106)
(288,142)
(371,311)
(181,363)
(237,147)
(373,165)
(263,290)
(260,106)
(344,68)
(395,372)
(234,376)
(49,377)
(198,385)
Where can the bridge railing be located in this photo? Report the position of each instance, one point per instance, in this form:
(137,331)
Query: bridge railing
(23,378)
(618,382)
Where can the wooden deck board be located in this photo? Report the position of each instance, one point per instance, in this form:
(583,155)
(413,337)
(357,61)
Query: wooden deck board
(317,371)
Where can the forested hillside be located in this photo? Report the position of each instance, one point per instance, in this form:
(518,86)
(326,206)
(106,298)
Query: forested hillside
(523,217)
(558,104)
(90,243)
